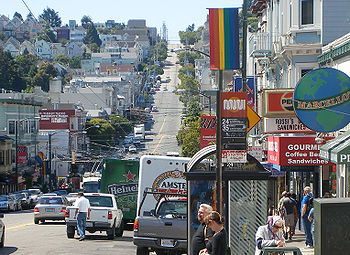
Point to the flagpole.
(219, 197)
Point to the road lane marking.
(160, 140)
(160, 130)
(20, 226)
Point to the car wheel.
(119, 231)
(111, 233)
(2, 242)
(70, 232)
(142, 251)
(36, 221)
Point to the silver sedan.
(50, 208)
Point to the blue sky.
(177, 14)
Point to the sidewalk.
(299, 241)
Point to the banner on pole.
(224, 38)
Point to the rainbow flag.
(224, 38)
(40, 158)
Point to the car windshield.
(72, 195)
(4, 198)
(173, 207)
(50, 200)
(100, 201)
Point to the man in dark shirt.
(290, 216)
(203, 232)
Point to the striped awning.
(337, 150)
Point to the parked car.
(35, 194)
(18, 201)
(25, 199)
(132, 149)
(50, 208)
(2, 231)
(7, 203)
(154, 109)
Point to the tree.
(47, 36)
(187, 70)
(46, 71)
(121, 125)
(186, 57)
(92, 36)
(193, 109)
(189, 137)
(157, 70)
(159, 51)
(51, 17)
(75, 62)
(188, 37)
(100, 131)
(93, 47)
(61, 59)
(10, 77)
(85, 21)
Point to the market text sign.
(294, 151)
(55, 119)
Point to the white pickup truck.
(104, 216)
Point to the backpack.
(309, 205)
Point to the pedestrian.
(82, 212)
(203, 232)
(304, 212)
(290, 216)
(217, 244)
(280, 202)
(270, 235)
(312, 220)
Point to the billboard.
(55, 119)
(278, 102)
(21, 154)
(294, 151)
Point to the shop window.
(307, 12)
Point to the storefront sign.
(250, 89)
(322, 100)
(256, 152)
(55, 119)
(208, 131)
(294, 151)
(285, 125)
(278, 102)
(234, 156)
(21, 154)
(344, 158)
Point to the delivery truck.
(120, 178)
(161, 174)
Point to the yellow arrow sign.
(253, 118)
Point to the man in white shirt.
(83, 212)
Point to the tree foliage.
(75, 62)
(92, 36)
(187, 70)
(121, 125)
(100, 131)
(10, 77)
(47, 36)
(157, 70)
(51, 17)
(46, 71)
(189, 137)
(186, 57)
(61, 59)
(86, 21)
(159, 51)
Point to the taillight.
(67, 214)
(110, 215)
(63, 210)
(136, 225)
(36, 209)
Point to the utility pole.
(219, 197)
(16, 165)
(49, 163)
(244, 50)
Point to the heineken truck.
(120, 178)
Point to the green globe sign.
(322, 100)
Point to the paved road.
(24, 237)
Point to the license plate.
(167, 242)
(89, 224)
(50, 210)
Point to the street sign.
(253, 118)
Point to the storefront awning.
(337, 150)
